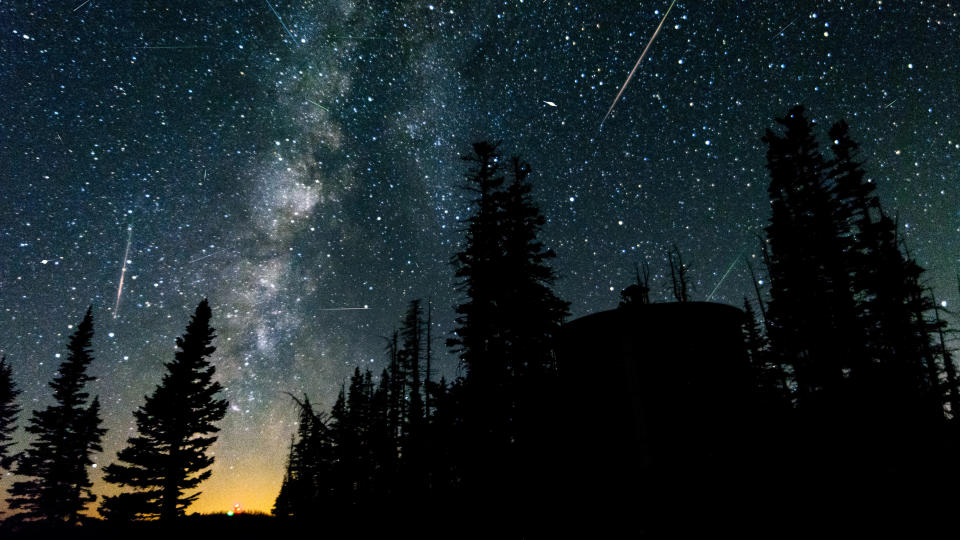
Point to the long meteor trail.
(634, 70)
(281, 22)
(123, 271)
(344, 308)
(725, 274)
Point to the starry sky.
(288, 159)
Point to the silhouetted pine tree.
(533, 312)
(428, 389)
(8, 412)
(412, 431)
(344, 446)
(383, 448)
(477, 339)
(811, 314)
(176, 427)
(504, 330)
(396, 401)
(950, 392)
(359, 398)
(283, 504)
(412, 356)
(310, 479)
(67, 433)
(767, 377)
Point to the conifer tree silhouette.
(176, 427)
(67, 433)
(811, 314)
(310, 480)
(504, 332)
(9, 409)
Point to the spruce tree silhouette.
(412, 466)
(176, 427)
(67, 433)
(309, 481)
(503, 335)
(900, 375)
(8, 412)
(811, 315)
(850, 318)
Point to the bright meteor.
(123, 271)
(634, 70)
(289, 33)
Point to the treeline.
(852, 383)
(380, 440)
(408, 441)
(850, 335)
(167, 457)
(846, 353)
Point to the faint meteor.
(351, 38)
(725, 274)
(281, 21)
(172, 47)
(891, 104)
(634, 70)
(123, 271)
(318, 105)
(784, 29)
(344, 308)
(206, 256)
(85, 2)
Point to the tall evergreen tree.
(309, 479)
(8, 412)
(504, 330)
(67, 433)
(811, 314)
(283, 504)
(478, 267)
(176, 426)
(412, 355)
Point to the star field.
(286, 159)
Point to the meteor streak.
(206, 256)
(344, 308)
(725, 274)
(123, 271)
(782, 30)
(634, 70)
(172, 47)
(81, 5)
(318, 105)
(281, 21)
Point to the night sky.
(288, 159)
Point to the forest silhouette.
(824, 401)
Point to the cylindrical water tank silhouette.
(657, 401)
